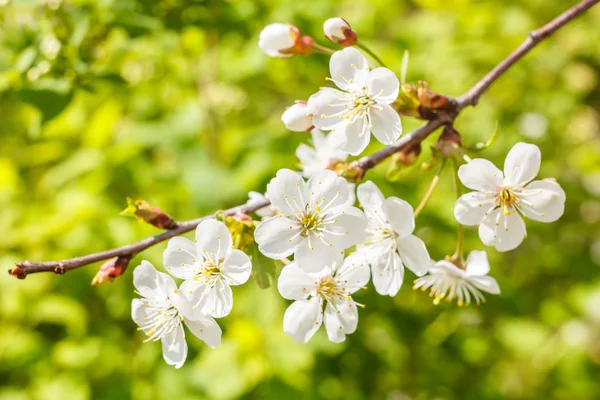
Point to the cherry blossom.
(331, 288)
(298, 117)
(361, 105)
(390, 244)
(446, 281)
(315, 222)
(283, 40)
(501, 200)
(210, 266)
(324, 153)
(163, 310)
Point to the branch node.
(60, 269)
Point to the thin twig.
(470, 98)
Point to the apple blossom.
(361, 105)
(339, 31)
(163, 311)
(209, 266)
(315, 223)
(390, 244)
(446, 280)
(501, 200)
(332, 286)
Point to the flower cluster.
(337, 247)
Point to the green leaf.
(477, 147)
(263, 268)
(404, 66)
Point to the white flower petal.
(294, 284)
(481, 175)
(174, 347)
(371, 199)
(522, 163)
(329, 106)
(347, 230)
(255, 198)
(400, 216)
(236, 267)
(341, 319)
(477, 263)
(213, 239)
(205, 329)
(354, 272)
(180, 257)
(302, 319)
(388, 274)
(139, 311)
(276, 37)
(216, 301)
(543, 201)
(287, 192)
(414, 254)
(297, 118)
(275, 238)
(327, 190)
(505, 232)
(357, 135)
(385, 123)
(472, 207)
(148, 281)
(383, 85)
(485, 283)
(314, 256)
(348, 68)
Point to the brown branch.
(470, 98)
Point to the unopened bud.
(350, 171)
(240, 226)
(152, 215)
(284, 40)
(401, 160)
(430, 99)
(111, 269)
(298, 118)
(339, 31)
(450, 143)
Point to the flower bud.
(297, 118)
(430, 99)
(283, 40)
(450, 143)
(111, 269)
(152, 215)
(338, 30)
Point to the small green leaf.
(404, 66)
(263, 268)
(477, 147)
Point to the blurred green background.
(172, 101)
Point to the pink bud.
(339, 31)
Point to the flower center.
(360, 105)
(507, 198)
(310, 221)
(329, 289)
(160, 320)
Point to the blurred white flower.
(209, 266)
(324, 153)
(257, 198)
(361, 106)
(283, 40)
(533, 125)
(50, 46)
(297, 118)
(446, 280)
(163, 311)
(390, 244)
(333, 286)
(501, 200)
(339, 31)
(315, 222)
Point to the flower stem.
(432, 186)
(322, 49)
(369, 52)
(458, 254)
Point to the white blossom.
(315, 222)
(361, 105)
(446, 280)
(339, 31)
(257, 198)
(390, 244)
(324, 153)
(280, 40)
(501, 200)
(297, 118)
(210, 266)
(334, 287)
(163, 311)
